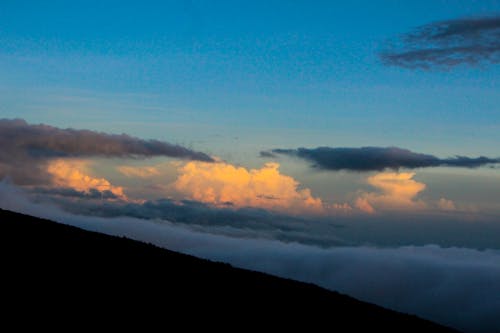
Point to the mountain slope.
(50, 271)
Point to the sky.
(317, 125)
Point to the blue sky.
(307, 71)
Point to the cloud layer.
(446, 44)
(378, 158)
(453, 286)
(235, 222)
(26, 149)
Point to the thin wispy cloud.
(140, 172)
(446, 44)
(267, 154)
(379, 158)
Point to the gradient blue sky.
(268, 72)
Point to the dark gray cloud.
(48, 141)
(453, 286)
(247, 222)
(26, 148)
(267, 154)
(67, 192)
(445, 44)
(379, 158)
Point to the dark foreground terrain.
(53, 274)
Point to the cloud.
(379, 158)
(364, 205)
(396, 191)
(73, 174)
(47, 141)
(446, 44)
(140, 172)
(222, 184)
(67, 192)
(453, 286)
(231, 221)
(446, 204)
(267, 154)
(26, 149)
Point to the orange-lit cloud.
(364, 205)
(73, 173)
(141, 172)
(396, 191)
(223, 184)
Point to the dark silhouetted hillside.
(53, 273)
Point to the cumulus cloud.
(222, 184)
(453, 286)
(379, 158)
(396, 191)
(445, 44)
(73, 174)
(27, 148)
